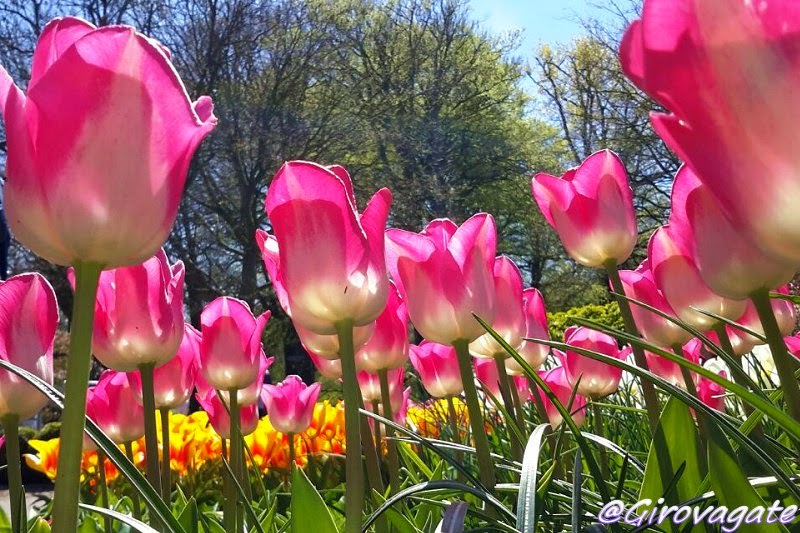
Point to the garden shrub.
(606, 314)
(51, 430)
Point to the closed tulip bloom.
(220, 419)
(99, 148)
(488, 375)
(523, 388)
(640, 285)
(399, 398)
(329, 368)
(535, 328)
(327, 346)
(112, 405)
(244, 396)
(445, 275)
(387, 348)
(726, 72)
(437, 366)
(138, 316)
(28, 321)
(230, 344)
(729, 263)
(174, 381)
(793, 345)
(509, 316)
(370, 384)
(313, 213)
(290, 404)
(712, 394)
(669, 371)
(784, 313)
(597, 379)
(591, 209)
(678, 278)
(556, 380)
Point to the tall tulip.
(640, 285)
(290, 404)
(597, 379)
(112, 405)
(370, 386)
(329, 368)
(313, 213)
(28, 321)
(248, 395)
(591, 209)
(445, 274)
(90, 176)
(98, 152)
(534, 353)
(437, 366)
(387, 348)
(678, 278)
(138, 318)
(556, 380)
(726, 72)
(729, 263)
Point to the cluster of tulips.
(98, 151)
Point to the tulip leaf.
(730, 485)
(526, 498)
(678, 430)
(309, 512)
(38, 525)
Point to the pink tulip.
(388, 346)
(727, 73)
(784, 313)
(113, 406)
(329, 368)
(535, 328)
(312, 210)
(597, 379)
(174, 381)
(488, 375)
(445, 274)
(729, 263)
(370, 384)
(220, 419)
(437, 366)
(399, 398)
(712, 394)
(138, 315)
(290, 404)
(28, 324)
(99, 148)
(523, 388)
(669, 371)
(509, 318)
(640, 285)
(231, 344)
(591, 209)
(248, 395)
(793, 345)
(677, 277)
(327, 346)
(556, 380)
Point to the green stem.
(137, 505)
(597, 419)
(371, 459)
(453, 417)
(236, 448)
(150, 433)
(13, 459)
(784, 363)
(485, 464)
(376, 408)
(354, 473)
(518, 407)
(166, 467)
(101, 465)
(291, 452)
(228, 492)
(391, 445)
(648, 390)
(68, 478)
(702, 421)
(508, 402)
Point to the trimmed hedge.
(606, 314)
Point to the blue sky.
(541, 21)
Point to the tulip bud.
(597, 379)
(712, 394)
(445, 275)
(290, 404)
(556, 380)
(437, 366)
(370, 384)
(509, 318)
(27, 331)
(91, 177)
(329, 368)
(535, 328)
(220, 419)
(387, 348)
(112, 405)
(591, 209)
(669, 371)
